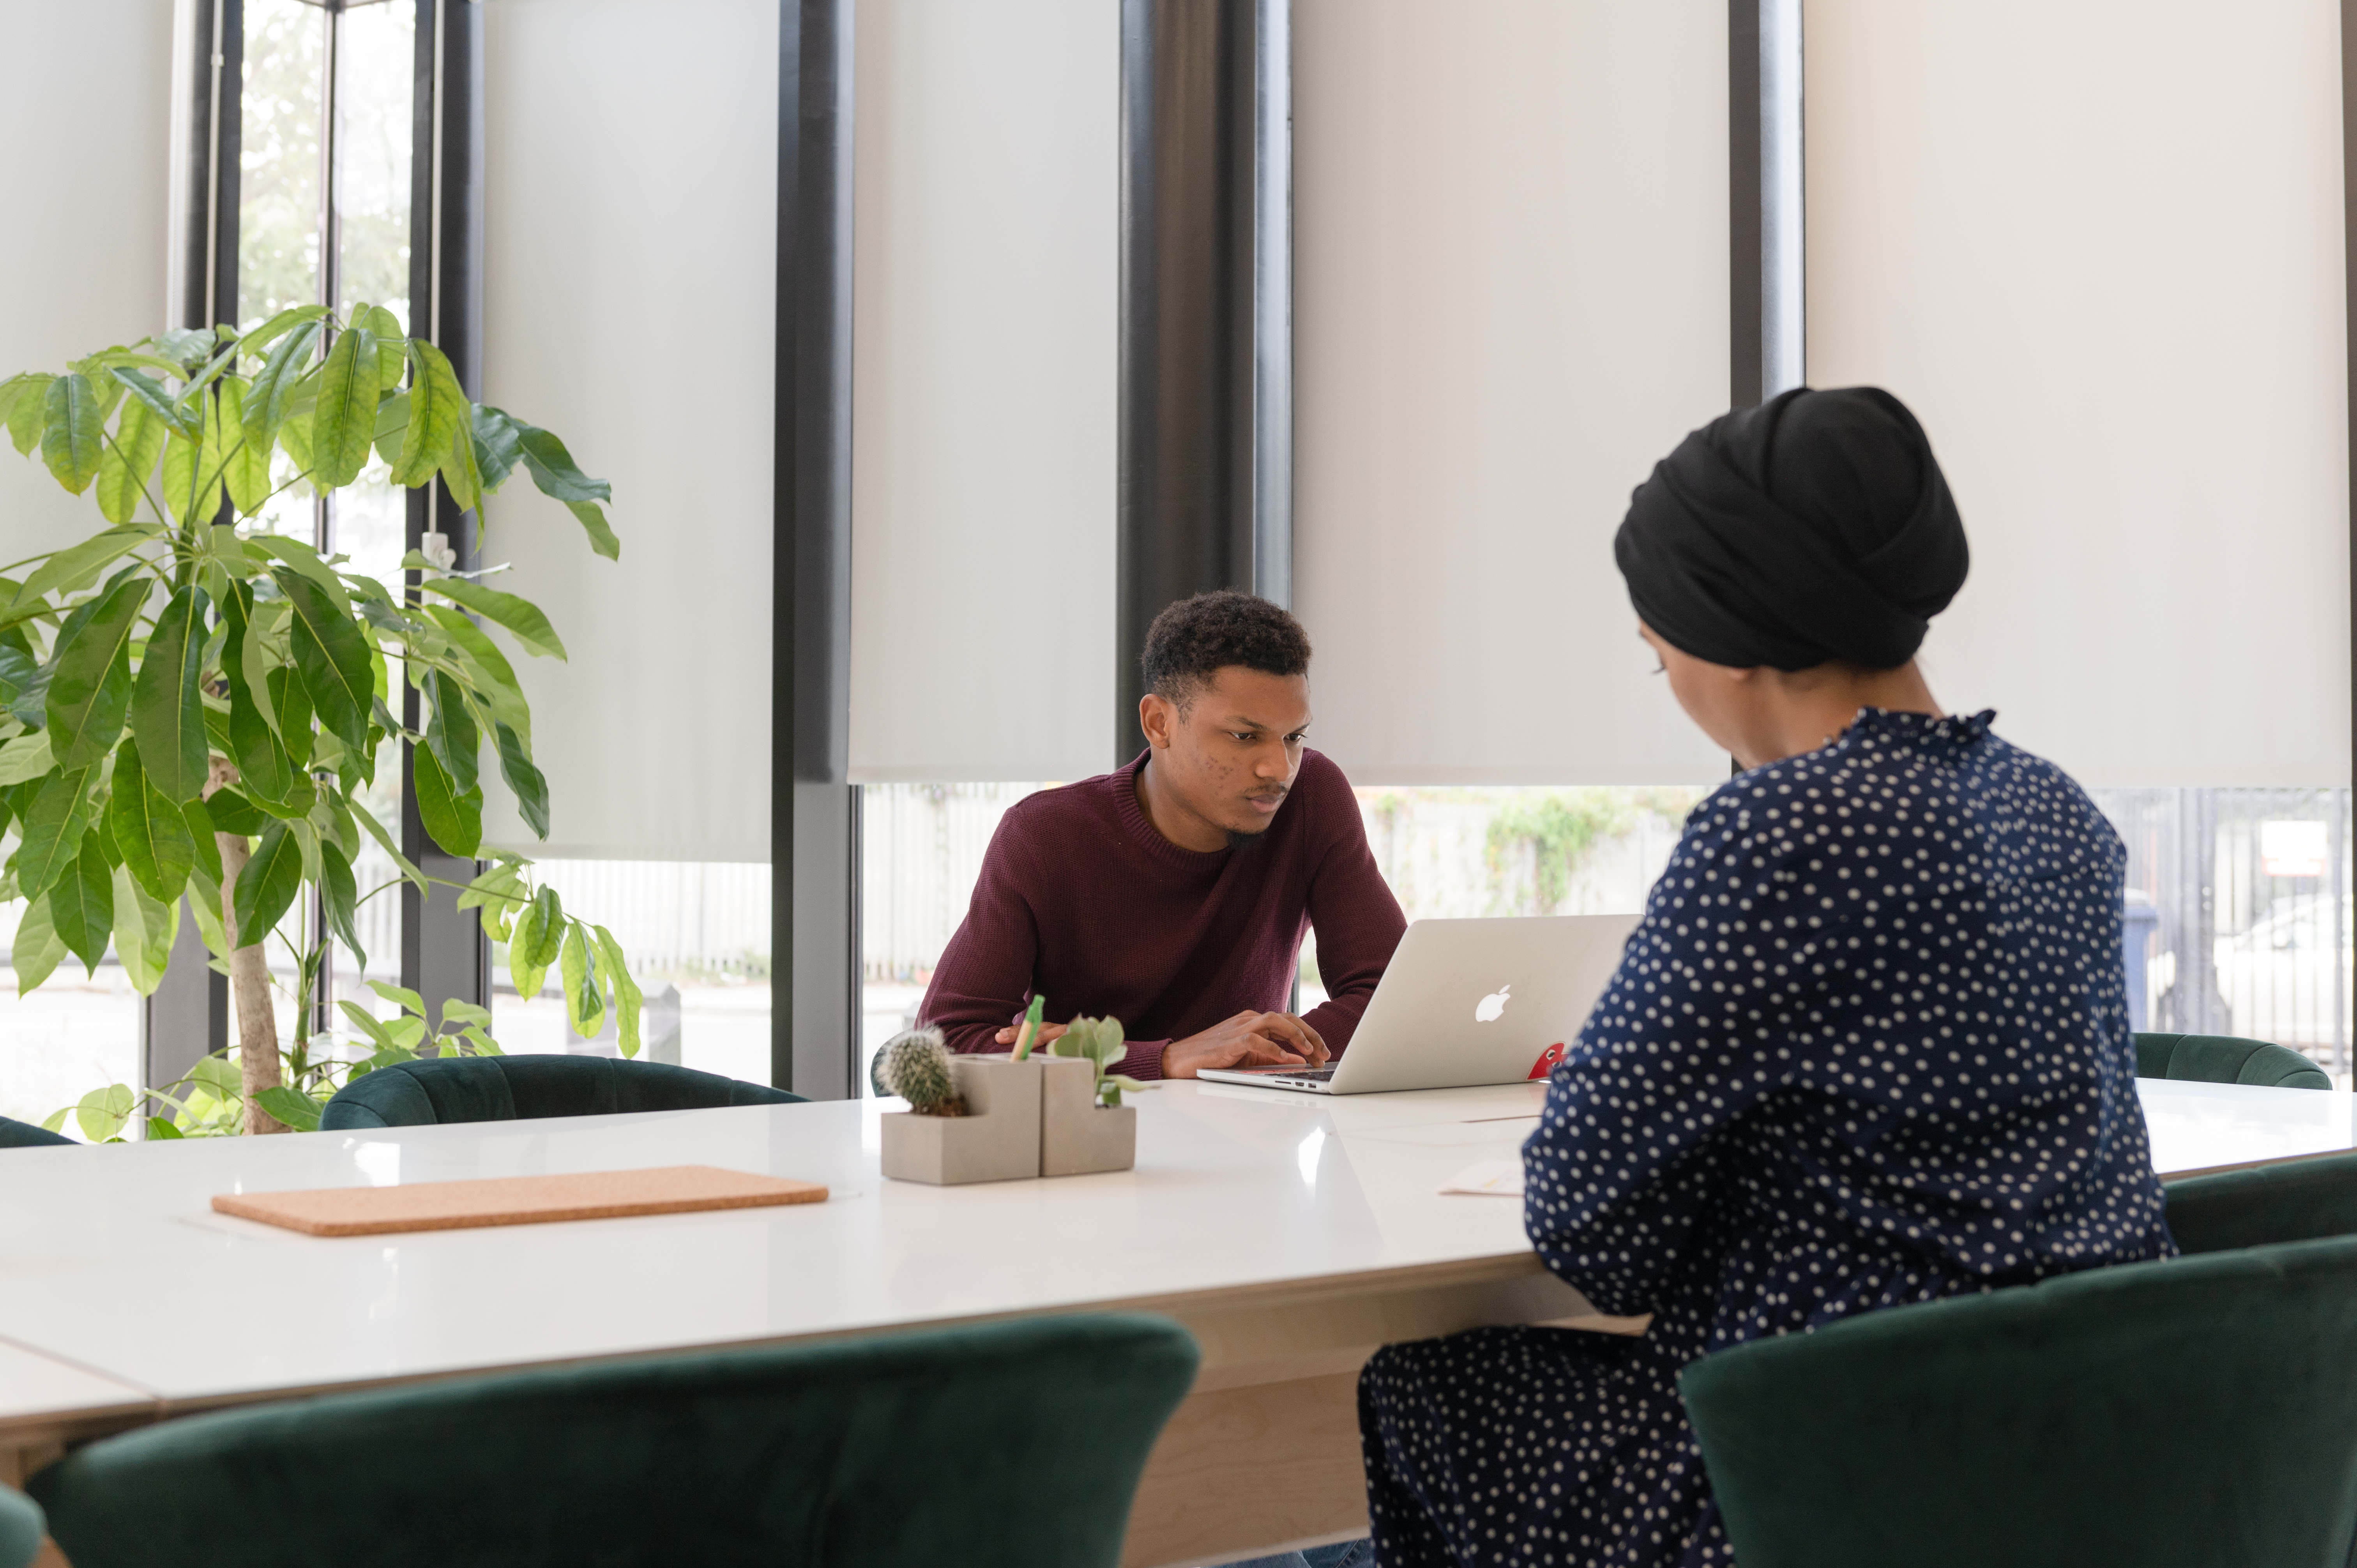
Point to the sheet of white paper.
(1499, 1178)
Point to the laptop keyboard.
(1309, 1074)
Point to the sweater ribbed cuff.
(1143, 1061)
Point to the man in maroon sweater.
(1173, 894)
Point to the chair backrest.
(2290, 1200)
(1014, 1445)
(2226, 1058)
(509, 1089)
(17, 1134)
(2176, 1415)
(21, 1528)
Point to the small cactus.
(915, 1065)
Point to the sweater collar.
(1133, 817)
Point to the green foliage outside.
(190, 705)
(1564, 827)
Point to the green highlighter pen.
(1030, 1030)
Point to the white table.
(1292, 1234)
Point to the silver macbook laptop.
(1467, 1001)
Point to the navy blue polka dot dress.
(1869, 1045)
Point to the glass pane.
(2238, 917)
(1458, 854)
(278, 217)
(696, 937)
(375, 74)
(76, 1033)
(920, 851)
(368, 521)
(1453, 852)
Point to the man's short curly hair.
(1192, 640)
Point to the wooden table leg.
(1243, 1472)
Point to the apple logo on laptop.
(1492, 1007)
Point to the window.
(696, 937)
(2238, 917)
(325, 134)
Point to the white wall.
(2098, 248)
(1510, 297)
(984, 376)
(85, 105)
(629, 306)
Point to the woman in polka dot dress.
(1868, 1046)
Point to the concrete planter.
(1077, 1135)
(996, 1140)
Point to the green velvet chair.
(2291, 1200)
(2189, 1414)
(2226, 1058)
(17, 1134)
(1015, 1445)
(521, 1088)
(21, 1528)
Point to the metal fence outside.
(2250, 927)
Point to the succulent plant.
(1101, 1042)
(915, 1065)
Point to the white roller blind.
(629, 306)
(2098, 248)
(1511, 298)
(985, 398)
(86, 95)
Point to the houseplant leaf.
(90, 693)
(290, 1106)
(198, 817)
(192, 480)
(267, 887)
(524, 941)
(81, 905)
(232, 812)
(450, 730)
(144, 929)
(519, 615)
(71, 420)
(585, 1008)
(332, 656)
(124, 472)
(26, 756)
(167, 713)
(344, 420)
(269, 400)
(246, 465)
(149, 831)
(148, 394)
(339, 896)
(438, 414)
(628, 998)
(453, 818)
(531, 788)
(52, 830)
(37, 949)
(554, 470)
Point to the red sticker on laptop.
(1549, 1059)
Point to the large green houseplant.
(192, 704)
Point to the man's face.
(1233, 753)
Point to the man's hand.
(1248, 1039)
(1039, 1042)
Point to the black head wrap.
(1814, 527)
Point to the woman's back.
(1869, 1045)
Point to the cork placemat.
(514, 1200)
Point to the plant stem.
(249, 981)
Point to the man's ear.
(1157, 717)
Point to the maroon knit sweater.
(1081, 899)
